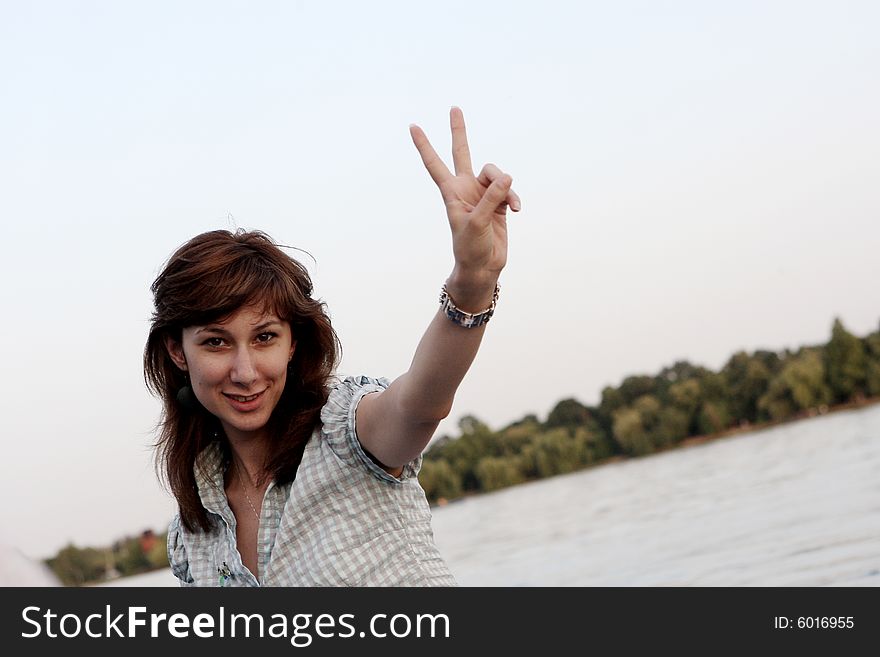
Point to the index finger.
(461, 154)
(432, 161)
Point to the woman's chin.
(244, 426)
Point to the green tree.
(714, 416)
(714, 386)
(845, 363)
(747, 378)
(131, 559)
(530, 419)
(516, 436)
(872, 368)
(686, 396)
(633, 426)
(498, 472)
(439, 480)
(671, 427)
(158, 554)
(682, 371)
(557, 452)
(612, 401)
(472, 426)
(634, 387)
(568, 413)
(75, 566)
(462, 453)
(647, 426)
(800, 385)
(630, 432)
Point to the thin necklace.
(246, 496)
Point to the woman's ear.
(175, 350)
(292, 350)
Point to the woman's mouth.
(242, 398)
(244, 402)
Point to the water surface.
(797, 504)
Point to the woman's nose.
(243, 370)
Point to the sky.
(696, 179)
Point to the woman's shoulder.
(353, 382)
(346, 391)
(339, 413)
(339, 426)
(345, 394)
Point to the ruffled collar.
(209, 470)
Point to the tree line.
(131, 555)
(645, 414)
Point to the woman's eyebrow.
(211, 329)
(265, 325)
(256, 329)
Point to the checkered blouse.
(343, 521)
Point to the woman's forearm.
(396, 425)
(445, 352)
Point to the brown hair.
(206, 280)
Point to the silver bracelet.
(465, 319)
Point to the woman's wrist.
(471, 291)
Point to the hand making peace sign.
(476, 206)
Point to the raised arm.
(395, 425)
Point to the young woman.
(284, 477)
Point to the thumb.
(495, 195)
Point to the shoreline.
(749, 428)
(692, 441)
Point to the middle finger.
(461, 154)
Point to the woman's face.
(237, 368)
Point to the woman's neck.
(249, 457)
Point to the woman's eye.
(214, 342)
(265, 337)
